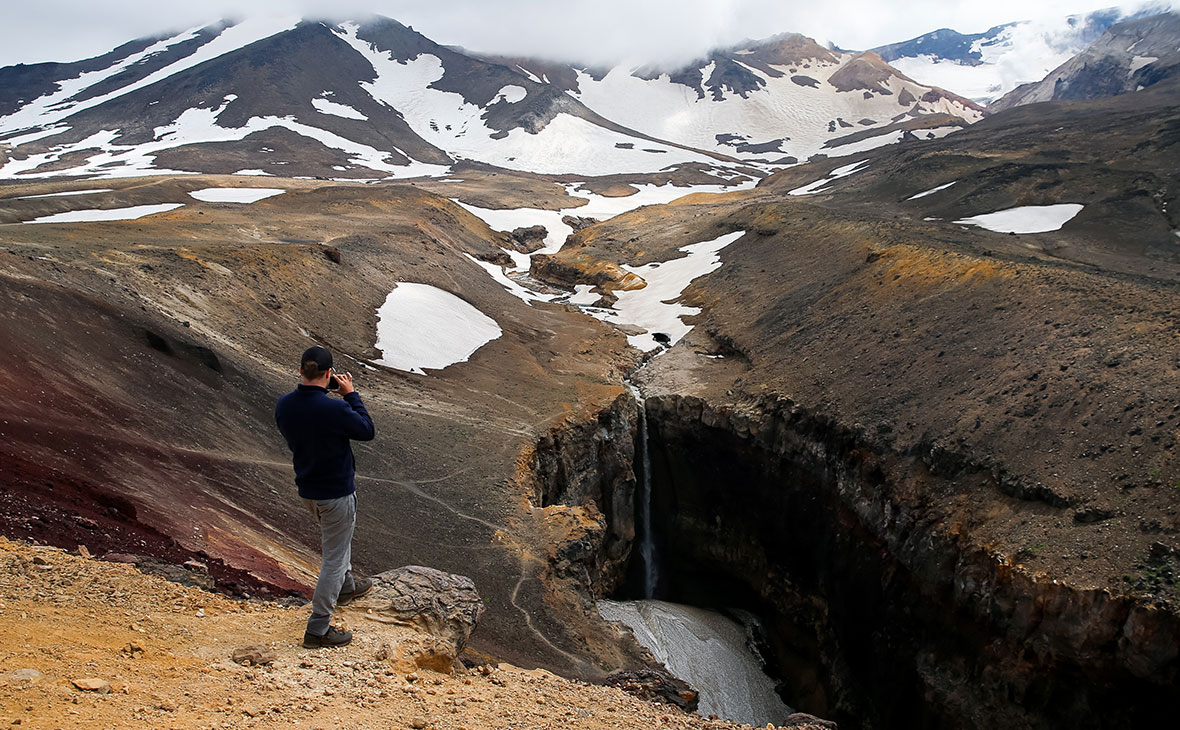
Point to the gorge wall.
(881, 614)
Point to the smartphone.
(333, 383)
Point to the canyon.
(915, 412)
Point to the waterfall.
(643, 534)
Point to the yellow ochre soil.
(165, 651)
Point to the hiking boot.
(360, 586)
(334, 637)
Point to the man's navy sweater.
(318, 429)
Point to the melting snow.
(707, 650)
(584, 295)
(327, 106)
(235, 195)
(1026, 219)
(653, 307)
(514, 288)
(819, 185)
(599, 207)
(112, 214)
(931, 191)
(421, 327)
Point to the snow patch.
(583, 295)
(68, 192)
(235, 195)
(1026, 218)
(931, 191)
(512, 93)
(819, 185)
(327, 106)
(111, 214)
(422, 327)
(1139, 62)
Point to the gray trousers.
(337, 518)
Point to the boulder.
(577, 222)
(441, 608)
(803, 721)
(253, 655)
(655, 686)
(93, 684)
(531, 238)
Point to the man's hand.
(345, 380)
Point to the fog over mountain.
(610, 32)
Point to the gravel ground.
(160, 653)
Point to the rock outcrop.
(656, 686)
(442, 609)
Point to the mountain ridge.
(378, 99)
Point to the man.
(318, 429)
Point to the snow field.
(111, 214)
(567, 144)
(235, 195)
(421, 327)
(195, 126)
(782, 108)
(1026, 219)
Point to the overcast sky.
(597, 31)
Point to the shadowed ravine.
(877, 614)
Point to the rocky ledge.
(83, 641)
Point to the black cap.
(319, 355)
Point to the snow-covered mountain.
(780, 100)
(985, 66)
(1128, 57)
(376, 99)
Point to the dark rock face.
(1129, 56)
(655, 686)
(593, 462)
(577, 222)
(942, 43)
(878, 615)
(530, 238)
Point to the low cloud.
(663, 32)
